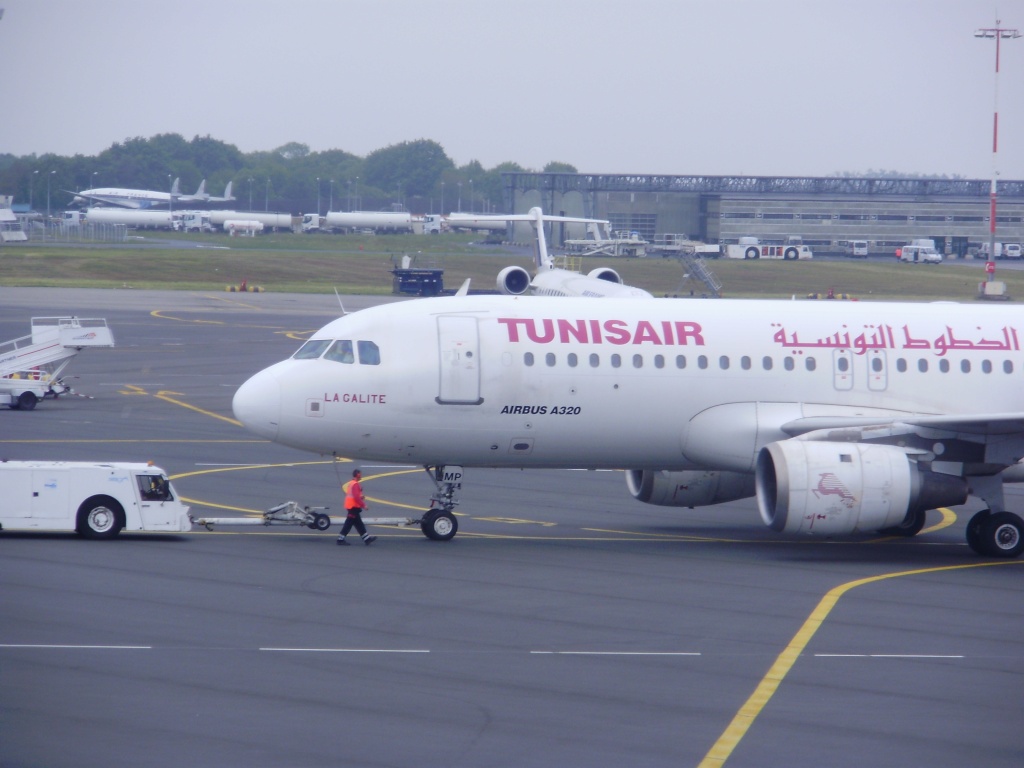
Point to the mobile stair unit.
(30, 366)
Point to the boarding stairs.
(51, 345)
(696, 268)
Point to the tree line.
(416, 176)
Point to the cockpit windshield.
(340, 351)
(311, 349)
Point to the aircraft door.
(842, 369)
(458, 340)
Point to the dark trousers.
(353, 519)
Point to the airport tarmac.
(566, 624)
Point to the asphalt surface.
(566, 624)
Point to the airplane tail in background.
(227, 192)
(175, 189)
(201, 192)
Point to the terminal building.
(827, 212)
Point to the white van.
(858, 249)
(1011, 251)
(920, 254)
(97, 500)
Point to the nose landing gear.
(439, 522)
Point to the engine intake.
(838, 488)
(513, 281)
(605, 273)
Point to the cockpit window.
(340, 352)
(369, 353)
(311, 349)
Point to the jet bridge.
(30, 366)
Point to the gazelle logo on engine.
(830, 485)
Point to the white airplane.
(145, 198)
(548, 280)
(136, 198)
(840, 418)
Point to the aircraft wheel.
(1002, 534)
(974, 531)
(911, 525)
(321, 522)
(100, 518)
(439, 525)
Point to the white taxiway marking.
(614, 653)
(86, 647)
(886, 656)
(345, 650)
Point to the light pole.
(250, 193)
(92, 179)
(442, 198)
(266, 200)
(48, 177)
(471, 201)
(330, 200)
(170, 195)
(460, 197)
(31, 180)
(357, 192)
(999, 33)
(317, 195)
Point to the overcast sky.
(763, 87)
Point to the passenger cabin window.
(595, 360)
(312, 349)
(340, 352)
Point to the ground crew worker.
(354, 505)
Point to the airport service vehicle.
(243, 227)
(133, 218)
(379, 221)
(196, 221)
(96, 499)
(311, 222)
(858, 249)
(472, 221)
(919, 254)
(840, 418)
(30, 366)
(432, 224)
(272, 221)
(750, 248)
(1012, 251)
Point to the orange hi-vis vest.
(353, 495)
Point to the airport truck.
(133, 218)
(196, 221)
(751, 248)
(95, 499)
(274, 222)
(378, 221)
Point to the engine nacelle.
(513, 281)
(605, 273)
(688, 489)
(838, 488)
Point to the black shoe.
(369, 539)
(342, 543)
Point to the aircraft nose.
(257, 404)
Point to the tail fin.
(227, 192)
(540, 246)
(175, 189)
(201, 192)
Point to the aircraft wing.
(119, 203)
(986, 424)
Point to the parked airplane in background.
(840, 418)
(146, 198)
(549, 280)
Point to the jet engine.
(839, 488)
(688, 489)
(605, 273)
(513, 281)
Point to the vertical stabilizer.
(227, 192)
(201, 192)
(175, 189)
(540, 246)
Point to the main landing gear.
(439, 522)
(996, 534)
